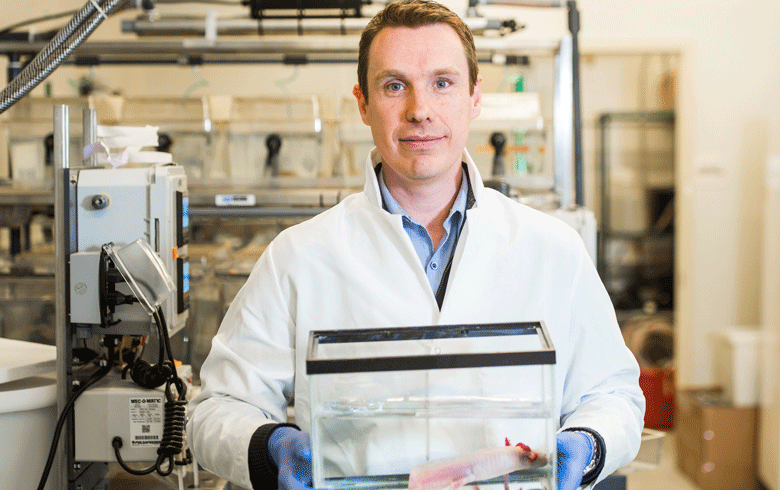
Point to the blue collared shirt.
(433, 261)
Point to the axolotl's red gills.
(453, 473)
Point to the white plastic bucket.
(28, 413)
(736, 363)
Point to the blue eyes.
(397, 86)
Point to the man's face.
(419, 106)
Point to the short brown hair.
(415, 13)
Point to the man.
(424, 244)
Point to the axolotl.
(453, 473)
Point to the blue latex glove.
(290, 450)
(575, 451)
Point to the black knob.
(164, 142)
(498, 140)
(273, 142)
(48, 144)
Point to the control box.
(121, 205)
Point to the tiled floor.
(666, 476)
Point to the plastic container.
(354, 139)
(144, 272)
(735, 363)
(649, 455)
(386, 400)
(28, 412)
(265, 139)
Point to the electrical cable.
(175, 406)
(151, 376)
(96, 376)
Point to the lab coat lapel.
(404, 245)
(395, 222)
(460, 296)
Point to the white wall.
(728, 121)
(769, 439)
(728, 118)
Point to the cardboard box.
(716, 442)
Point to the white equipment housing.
(119, 407)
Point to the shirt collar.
(371, 185)
(463, 201)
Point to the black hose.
(86, 20)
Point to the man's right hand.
(290, 450)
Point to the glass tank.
(467, 405)
(355, 139)
(220, 140)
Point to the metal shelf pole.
(562, 122)
(62, 464)
(574, 28)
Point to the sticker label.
(146, 421)
(235, 200)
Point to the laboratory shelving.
(636, 225)
(271, 47)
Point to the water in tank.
(384, 402)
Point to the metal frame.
(544, 355)
(343, 49)
(327, 48)
(277, 25)
(562, 127)
(68, 473)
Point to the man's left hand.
(575, 451)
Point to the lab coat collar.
(371, 187)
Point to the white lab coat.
(354, 266)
